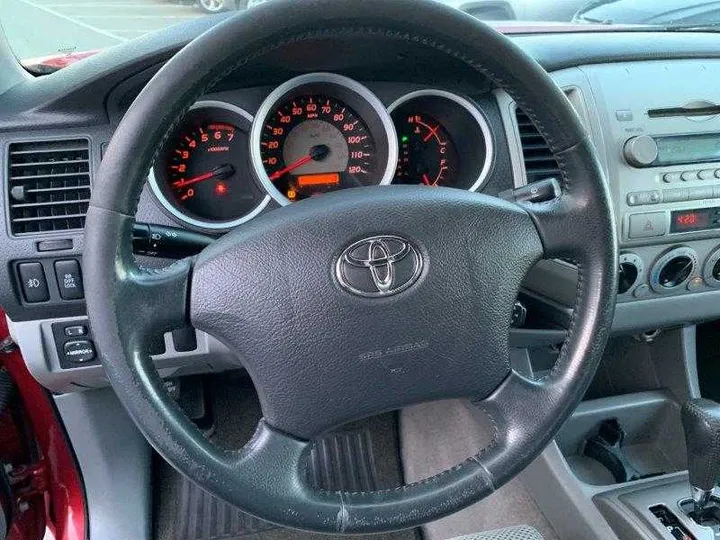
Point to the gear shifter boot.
(701, 422)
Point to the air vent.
(48, 185)
(539, 160)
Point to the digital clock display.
(692, 220)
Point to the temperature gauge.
(427, 155)
(443, 140)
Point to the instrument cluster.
(315, 134)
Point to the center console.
(661, 154)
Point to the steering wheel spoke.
(160, 297)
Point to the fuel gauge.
(427, 155)
(443, 140)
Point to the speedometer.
(319, 133)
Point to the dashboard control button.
(79, 351)
(676, 195)
(647, 225)
(640, 151)
(76, 330)
(34, 283)
(687, 176)
(184, 339)
(640, 198)
(641, 291)
(707, 174)
(671, 177)
(624, 115)
(695, 284)
(69, 279)
(701, 193)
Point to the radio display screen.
(688, 149)
(696, 219)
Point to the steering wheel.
(318, 355)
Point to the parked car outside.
(216, 6)
(670, 12)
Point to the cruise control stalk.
(167, 242)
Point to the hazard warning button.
(647, 225)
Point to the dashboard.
(362, 113)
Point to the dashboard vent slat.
(48, 185)
(539, 160)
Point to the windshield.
(47, 35)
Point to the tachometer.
(319, 133)
(203, 176)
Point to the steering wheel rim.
(266, 478)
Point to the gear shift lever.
(701, 422)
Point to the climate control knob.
(711, 270)
(673, 270)
(630, 268)
(676, 272)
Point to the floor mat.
(437, 436)
(360, 456)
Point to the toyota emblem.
(379, 266)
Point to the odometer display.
(313, 144)
(319, 133)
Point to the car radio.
(670, 184)
(647, 151)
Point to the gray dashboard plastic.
(114, 460)
(35, 339)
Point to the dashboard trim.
(473, 110)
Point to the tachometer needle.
(221, 172)
(317, 153)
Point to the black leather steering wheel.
(268, 289)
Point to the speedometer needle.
(317, 153)
(221, 172)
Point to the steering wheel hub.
(300, 335)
